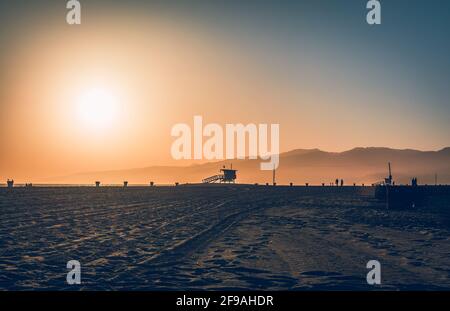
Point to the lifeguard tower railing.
(213, 179)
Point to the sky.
(317, 68)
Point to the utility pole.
(273, 176)
(390, 175)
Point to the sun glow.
(98, 108)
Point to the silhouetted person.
(337, 182)
(342, 182)
(10, 183)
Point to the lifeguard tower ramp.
(227, 176)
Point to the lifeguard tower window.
(229, 175)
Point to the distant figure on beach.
(342, 182)
(414, 182)
(337, 182)
(10, 183)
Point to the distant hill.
(313, 166)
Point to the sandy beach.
(219, 238)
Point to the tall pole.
(388, 185)
(390, 175)
(273, 176)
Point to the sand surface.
(238, 237)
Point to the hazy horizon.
(314, 166)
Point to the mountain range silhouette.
(300, 166)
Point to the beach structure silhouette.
(403, 196)
(227, 176)
(388, 180)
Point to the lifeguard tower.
(228, 176)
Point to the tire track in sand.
(186, 250)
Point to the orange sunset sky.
(105, 95)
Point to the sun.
(98, 108)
